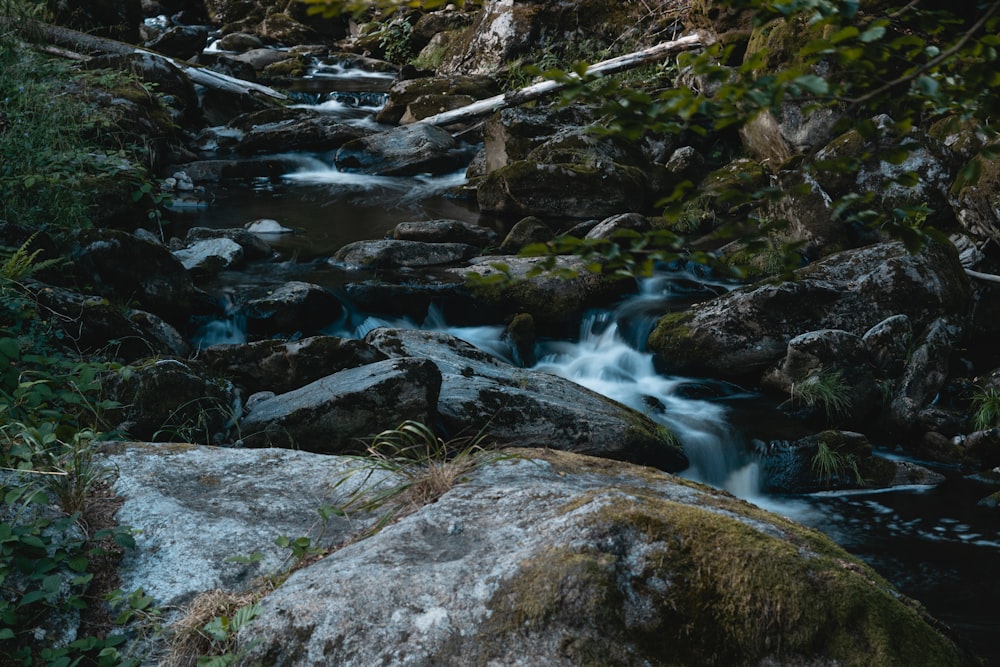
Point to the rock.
(252, 246)
(333, 414)
(266, 226)
(925, 374)
(975, 204)
(168, 399)
(284, 30)
(556, 302)
(838, 362)
(572, 174)
(239, 42)
(393, 254)
(280, 366)
(182, 42)
(888, 344)
(260, 58)
(526, 232)
(312, 132)
(91, 324)
(514, 406)
(512, 134)
(740, 333)
(407, 94)
(404, 151)
(610, 227)
(562, 560)
(193, 508)
(444, 231)
(104, 18)
(210, 256)
(834, 460)
(214, 171)
(125, 268)
(291, 307)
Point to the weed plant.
(824, 391)
(830, 465)
(986, 406)
(409, 466)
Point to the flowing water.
(935, 544)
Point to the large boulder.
(409, 95)
(515, 406)
(304, 131)
(444, 231)
(742, 332)
(395, 254)
(560, 560)
(280, 366)
(194, 508)
(288, 308)
(404, 151)
(125, 268)
(507, 284)
(333, 414)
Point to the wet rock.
(444, 231)
(291, 307)
(281, 366)
(835, 460)
(404, 151)
(521, 407)
(393, 254)
(520, 334)
(182, 42)
(253, 246)
(562, 560)
(260, 58)
(240, 42)
(167, 399)
(215, 171)
(925, 374)
(210, 256)
(526, 232)
(742, 332)
(304, 131)
(334, 414)
(125, 268)
(556, 302)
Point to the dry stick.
(613, 66)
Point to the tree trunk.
(606, 67)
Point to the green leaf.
(927, 86)
(873, 33)
(813, 84)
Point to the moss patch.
(660, 583)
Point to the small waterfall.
(603, 361)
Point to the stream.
(933, 543)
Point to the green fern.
(22, 263)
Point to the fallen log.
(535, 91)
(82, 42)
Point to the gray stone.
(516, 406)
(444, 231)
(393, 254)
(404, 151)
(210, 256)
(333, 414)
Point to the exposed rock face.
(742, 332)
(561, 560)
(291, 307)
(333, 414)
(209, 256)
(514, 406)
(301, 132)
(195, 507)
